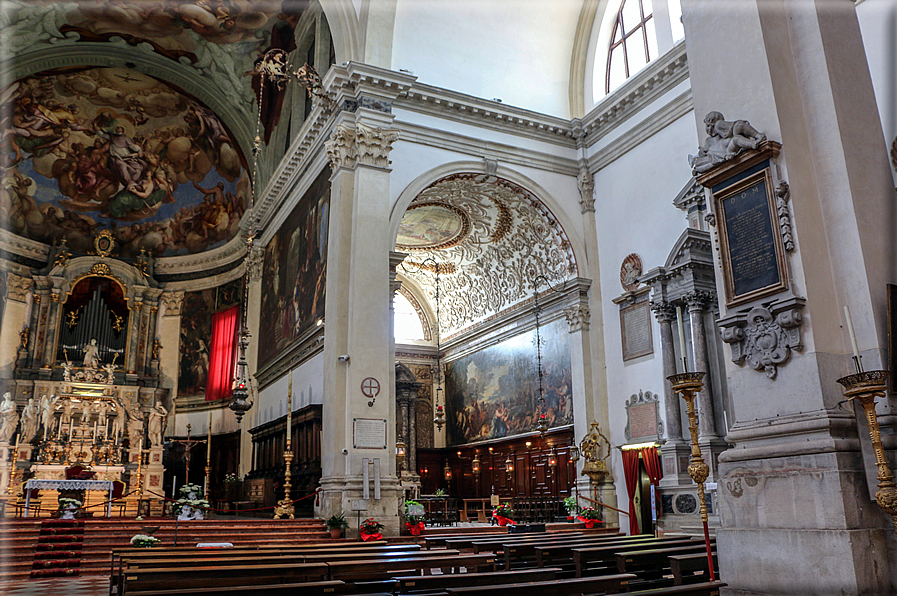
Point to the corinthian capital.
(173, 302)
(374, 144)
(341, 148)
(577, 318)
(18, 287)
(663, 311)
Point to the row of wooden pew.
(380, 569)
(658, 561)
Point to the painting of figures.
(294, 272)
(86, 149)
(196, 333)
(494, 393)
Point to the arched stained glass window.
(633, 42)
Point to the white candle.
(18, 436)
(681, 335)
(71, 425)
(853, 338)
(290, 409)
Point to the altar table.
(35, 483)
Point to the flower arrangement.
(68, 503)
(144, 541)
(440, 492)
(570, 505)
(503, 510)
(191, 496)
(370, 529)
(231, 479)
(590, 513)
(414, 517)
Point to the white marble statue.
(118, 420)
(110, 373)
(726, 140)
(91, 354)
(67, 372)
(30, 421)
(9, 418)
(135, 424)
(157, 424)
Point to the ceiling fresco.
(490, 237)
(86, 149)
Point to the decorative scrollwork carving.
(783, 195)
(765, 336)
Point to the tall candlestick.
(290, 412)
(18, 436)
(681, 338)
(853, 338)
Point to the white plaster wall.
(308, 388)
(519, 52)
(635, 214)
(223, 421)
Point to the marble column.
(665, 314)
(53, 316)
(357, 299)
(794, 489)
(412, 431)
(698, 303)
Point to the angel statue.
(726, 140)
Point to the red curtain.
(221, 359)
(630, 471)
(655, 472)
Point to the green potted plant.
(570, 506)
(145, 541)
(336, 523)
(414, 517)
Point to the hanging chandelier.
(271, 68)
(542, 425)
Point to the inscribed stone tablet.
(635, 329)
(369, 433)
(751, 247)
(643, 421)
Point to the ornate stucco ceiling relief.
(490, 237)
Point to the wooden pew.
(654, 561)
(556, 554)
(527, 551)
(704, 589)
(188, 578)
(382, 569)
(684, 566)
(325, 588)
(605, 556)
(439, 539)
(156, 557)
(608, 584)
(497, 546)
(436, 583)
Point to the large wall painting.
(294, 272)
(494, 393)
(196, 333)
(85, 149)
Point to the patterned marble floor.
(78, 586)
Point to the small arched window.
(633, 42)
(407, 325)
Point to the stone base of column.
(339, 492)
(711, 447)
(607, 494)
(802, 524)
(674, 457)
(45, 373)
(22, 359)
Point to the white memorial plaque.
(369, 433)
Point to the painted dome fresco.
(87, 149)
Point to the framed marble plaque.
(751, 248)
(635, 329)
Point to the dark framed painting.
(294, 272)
(751, 248)
(494, 393)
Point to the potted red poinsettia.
(502, 514)
(370, 530)
(589, 517)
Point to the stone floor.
(63, 586)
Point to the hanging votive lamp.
(447, 471)
(475, 464)
(439, 420)
(552, 458)
(574, 454)
(542, 427)
(509, 464)
(400, 452)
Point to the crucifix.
(188, 444)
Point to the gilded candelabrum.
(285, 506)
(865, 387)
(689, 384)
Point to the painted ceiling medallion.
(432, 226)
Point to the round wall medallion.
(686, 503)
(432, 226)
(630, 271)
